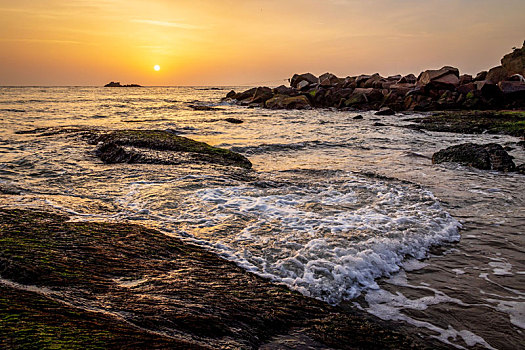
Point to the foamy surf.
(327, 240)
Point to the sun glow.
(156, 67)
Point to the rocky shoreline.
(103, 286)
(502, 87)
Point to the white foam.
(328, 241)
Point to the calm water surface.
(339, 209)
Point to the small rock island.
(117, 84)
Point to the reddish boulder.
(446, 77)
(329, 79)
(497, 74)
(481, 76)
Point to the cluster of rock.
(441, 89)
(118, 84)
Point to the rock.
(466, 88)
(516, 77)
(481, 76)
(378, 124)
(284, 90)
(234, 120)
(361, 79)
(245, 95)
(514, 63)
(362, 95)
(512, 87)
(203, 108)
(167, 293)
(408, 79)
(385, 111)
(489, 90)
(375, 81)
(287, 102)
(117, 84)
(329, 79)
(486, 157)
(230, 94)
(308, 77)
(358, 117)
(497, 74)
(446, 77)
(261, 95)
(521, 168)
(161, 147)
(465, 79)
(303, 85)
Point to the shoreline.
(88, 277)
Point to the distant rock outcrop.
(117, 84)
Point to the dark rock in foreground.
(117, 84)
(486, 157)
(153, 291)
(161, 147)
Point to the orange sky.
(244, 42)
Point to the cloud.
(167, 24)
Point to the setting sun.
(156, 67)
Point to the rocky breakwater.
(438, 89)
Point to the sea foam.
(326, 240)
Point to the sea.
(347, 210)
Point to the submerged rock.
(234, 120)
(161, 147)
(385, 111)
(486, 157)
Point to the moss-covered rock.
(152, 291)
(474, 122)
(486, 157)
(161, 147)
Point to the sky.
(248, 42)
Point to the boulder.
(287, 102)
(362, 95)
(375, 81)
(446, 77)
(512, 87)
(245, 94)
(261, 95)
(514, 63)
(516, 77)
(303, 85)
(308, 77)
(481, 76)
(230, 94)
(284, 90)
(486, 157)
(465, 89)
(465, 79)
(385, 111)
(497, 74)
(408, 79)
(329, 79)
(360, 80)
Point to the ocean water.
(346, 211)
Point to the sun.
(156, 67)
